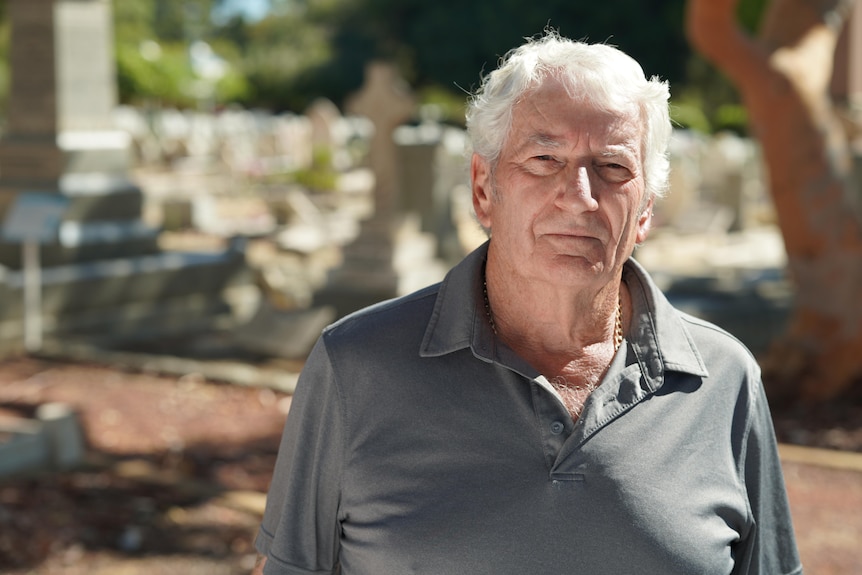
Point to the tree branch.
(712, 29)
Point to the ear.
(644, 222)
(480, 179)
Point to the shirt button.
(557, 427)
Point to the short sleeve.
(770, 546)
(300, 529)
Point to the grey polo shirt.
(416, 444)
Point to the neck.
(554, 328)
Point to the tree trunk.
(783, 77)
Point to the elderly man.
(543, 409)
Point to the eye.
(543, 164)
(613, 166)
(613, 172)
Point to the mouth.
(574, 244)
(570, 236)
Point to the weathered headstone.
(54, 440)
(104, 273)
(429, 171)
(385, 100)
(323, 115)
(60, 136)
(372, 270)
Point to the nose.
(576, 193)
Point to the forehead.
(549, 114)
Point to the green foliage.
(449, 106)
(706, 101)
(185, 20)
(688, 113)
(731, 117)
(449, 43)
(153, 65)
(306, 49)
(161, 80)
(316, 179)
(750, 13)
(320, 176)
(281, 53)
(133, 21)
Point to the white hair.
(600, 74)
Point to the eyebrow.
(618, 151)
(541, 139)
(547, 140)
(544, 139)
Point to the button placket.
(550, 416)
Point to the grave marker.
(99, 264)
(60, 136)
(385, 101)
(386, 257)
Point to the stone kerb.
(52, 441)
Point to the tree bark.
(783, 77)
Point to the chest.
(505, 482)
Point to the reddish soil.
(177, 468)
(169, 461)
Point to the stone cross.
(385, 101)
(367, 273)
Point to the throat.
(574, 395)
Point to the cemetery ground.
(177, 468)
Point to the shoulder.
(723, 354)
(709, 335)
(397, 320)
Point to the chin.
(575, 267)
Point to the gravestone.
(376, 264)
(60, 136)
(385, 100)
(431, 165)
(104, 273)
(323, 115)
(53, 440)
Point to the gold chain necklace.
(618, 328)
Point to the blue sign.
(35, 216)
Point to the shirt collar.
(660, 338)
(459, 319)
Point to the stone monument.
(103, 269)
(60, 137)
(370, 272)
(430, 171)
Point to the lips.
(574, 245)
(570, 237)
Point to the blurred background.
(190, 190)
(280, 55)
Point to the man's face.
(565, 202)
